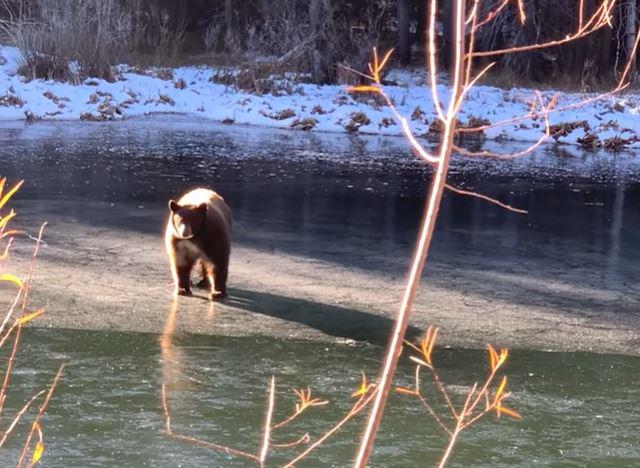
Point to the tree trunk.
(228, 21)
(315, 16)
(404, 36)
(447, 33)
(432, 206)
(421, 25)
(631, 19)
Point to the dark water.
(579, 409)
(356, 202)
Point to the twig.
(357, 408)
(25, 292)
(457, 430)
(597, 21)
(32, 268)
(485, 198)
(529, 116)
(302, 440)
(433, 414)
(19, 414)
(14, 303)
(41, 411)
(213, 446)
(296, 51)
(10, 364)
(443, 392)
(194, 441)
(305, 401)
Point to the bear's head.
(186, 220)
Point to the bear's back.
(198, 196)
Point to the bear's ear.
(173, 206)
(202, 207)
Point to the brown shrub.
(8, 100)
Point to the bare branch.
(302, 440)
(304, 401)
(485, 198)
(357, 408)
(433, 71)
(41, 412)
(194, 441)
(19, 415)
(598, 20)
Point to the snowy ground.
(612, 123)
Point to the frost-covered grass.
(613, 122)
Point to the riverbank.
(610, 123)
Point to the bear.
(198, 232)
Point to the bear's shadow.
(329, 319)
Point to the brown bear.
(198, 232)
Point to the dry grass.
(259, 78)
(70, 40)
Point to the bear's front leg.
(183, 288)
(219, 289)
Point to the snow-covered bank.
(613, 122)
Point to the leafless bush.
(73, 39)
(212, 34)
(166, 38)
(68, 39)
(284, 25)
(259, 78)
(311, 37)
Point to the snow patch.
(190, 91)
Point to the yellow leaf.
(29, 317)
(385, 59)
(504, 353)
(12, 232)
(371, 70)
(37, 453)
(432, 343)
(509, 412)
(363, 388)
(5, 254)
(9, 194)
(420, 362)
(406, 391)
(493, 357)
(9, 278)
(5, 219)
(501, 388)
(363, 89)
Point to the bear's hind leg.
(207, 276)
